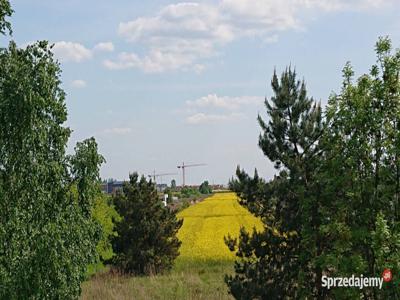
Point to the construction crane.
(154, 175)
(183, 167)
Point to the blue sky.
(161, 82)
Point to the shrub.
(104, 213)
(187, 192)
(205, 188)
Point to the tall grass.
(188, 280)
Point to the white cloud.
(343, 5)
(176, 38)
(202, 118)
(231, 103)
(155, 62)
(69, 51)
(124, 61)
(181, 36)
(105, 46)
(260, 17)
(216, 109)
(184, 20)
(78, 83)
(118, 130)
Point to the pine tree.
(146, 241)
(173, 184)
(205, 188)
(281, 268)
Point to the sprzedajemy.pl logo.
(357, 281)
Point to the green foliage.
(188, 192)
(173, 184)
(170, 198)
(364, 141)
(257, 254)
(205, 188)
(146, 241)
(386, 247)
(334, 206)
(104, 213)
(182, 204)
(276, 263)
(47, 234)
(5, 11)
(294, 125)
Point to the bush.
(205, 188)
(146, 242)
(104, 213)
(187, 192)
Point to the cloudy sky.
(161, 82)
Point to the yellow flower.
(206, 223)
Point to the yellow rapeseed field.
(205, 224)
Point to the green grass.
(188, 280)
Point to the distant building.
(214, 187)
(218, 187)
(161, 187)
(112, 186)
